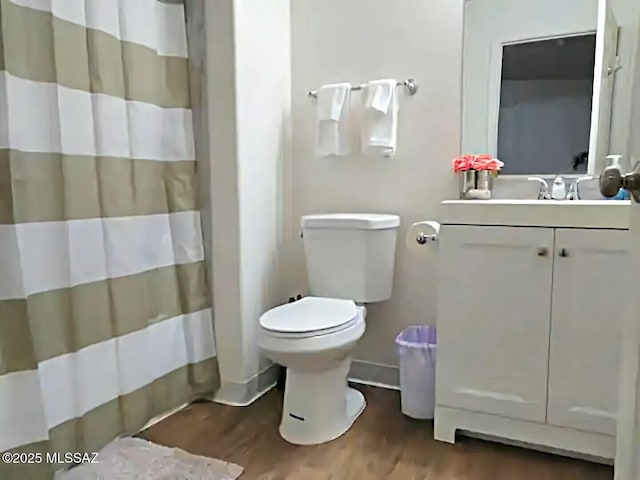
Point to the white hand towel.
(333, 116)
(379, 135)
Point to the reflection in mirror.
(545, 105)
(529, 69)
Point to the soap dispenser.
(614, 160)
(559, 189)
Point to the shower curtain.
(105, 317)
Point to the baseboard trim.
(375, 374)
(243, 394)
(162, 416)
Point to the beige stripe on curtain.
(44, 48)
(57, 187)
(105, 311)
(70, 319)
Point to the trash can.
(417, 351)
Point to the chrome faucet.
(544, 193)
(574, 191)
(573, 194)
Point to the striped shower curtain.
(105, 317)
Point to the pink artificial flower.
(487, 162)
(479, 162)
(463, 164)
(495, 165)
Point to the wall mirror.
(538, 82)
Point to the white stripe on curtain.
(45, 117)
(122, 365)
(157, 25)
(55, 255)
(22, 418)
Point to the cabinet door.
(494, 308)
(586, 324)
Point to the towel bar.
(410, 84)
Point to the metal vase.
(475, 185)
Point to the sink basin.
(537, 202)
(597, 201)
(538, 213)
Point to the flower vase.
(475, 184)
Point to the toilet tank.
(350, 255)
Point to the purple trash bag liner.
(418, 336)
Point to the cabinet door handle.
(564, 253)
(543, 251)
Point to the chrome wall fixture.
(410, 84)
(423, 238)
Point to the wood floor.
(383, 444)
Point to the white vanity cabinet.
(529, 334)
(586, 327)
(494, 306)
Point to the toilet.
(350, 262)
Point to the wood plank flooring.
(383, 444)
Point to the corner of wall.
(249, 96)
(242, 394)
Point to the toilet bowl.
(314, 338)
(350, 258)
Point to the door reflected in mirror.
(546, 92)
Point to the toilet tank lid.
(357, 221)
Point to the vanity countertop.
(609, 214)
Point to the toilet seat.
(309, 317)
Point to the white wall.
(356, 41)
(634, 137)
(259, 188)
(543, 124)
(488, 23)
(249, 92)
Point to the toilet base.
(319, 407)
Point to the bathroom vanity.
(530, 310)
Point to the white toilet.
(350, 258)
